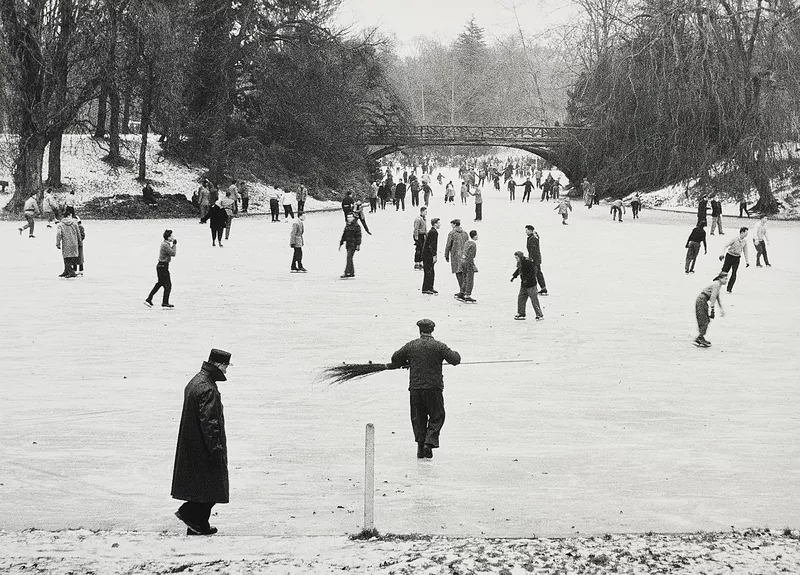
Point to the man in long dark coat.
(424, 357)
(430, 246)
(200, 476)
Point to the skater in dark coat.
(400, 196)
(218, 219)
(167, 251)
(527, 289)
(697, 237)
(430, 246)
(200, 475)
(709, 296)
(424, 357)
(702, 209)
(351, 239)
(535, 255)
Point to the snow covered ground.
(620, 426)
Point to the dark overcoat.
(201, 458)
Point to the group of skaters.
(70, 233)
(731, 256)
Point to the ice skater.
(430, 247)
(68, 240)
(468, 268)
(708, 297)
(617, 209)
(218, 219)
(51, 209)
(200, 474)
(732, 256)
(527, 188)
(296, 243)
(167, 251)
(478, 204)
(418, 235)
(512, 189)
(351, 239)
(564, 207)
(229, 205)
(423, 357)
(697, 237)
(636, 206)
(760, 242)
(716, 216)
(527, 288)
(453, 250)
(535, 255)
(82, 233)
(31, 210)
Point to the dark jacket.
(400, 190)
(347, 204)
(217, 216)
(716, 208)
(201, 458)
(698, 235)
(534, 253)
(351, 236)
(702, 207)
(424, 358)
(431, 243)
(526, 272)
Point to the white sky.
(445, 19)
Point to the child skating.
(704, 307)
(564, 207)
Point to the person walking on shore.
(351, 239)
(244, 195)
(468, 267)
(732, 255)
(167, 251)
(302, 196)
(697, 237)
(423, 357)
(716, 216)
(535, 256)
(418, 235)
(430, 247)
(453, 250)
(296, 243)
(218, 219)
(708, 297)
(68, 240)
(760, 241)
(200, 473)
(274, 205)
(527, 289)
(31, 210)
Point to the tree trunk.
(28, 170)
(126, 112)
(113, 91)
(147, 106)
(54, 162)
(102, 106)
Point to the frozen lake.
(621, 425)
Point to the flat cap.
(456, 222)
(426, 325)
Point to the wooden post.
(369, 478)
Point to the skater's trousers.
(427, 415)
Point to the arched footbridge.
(540, 140)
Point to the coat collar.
(213, 371)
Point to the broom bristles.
(350, 371)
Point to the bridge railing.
(376, 134)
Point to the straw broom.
(350, 371)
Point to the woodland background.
(672, 89)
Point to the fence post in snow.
(369, 478)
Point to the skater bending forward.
(423, 357)
(704, 307)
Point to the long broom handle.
(498, 361)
